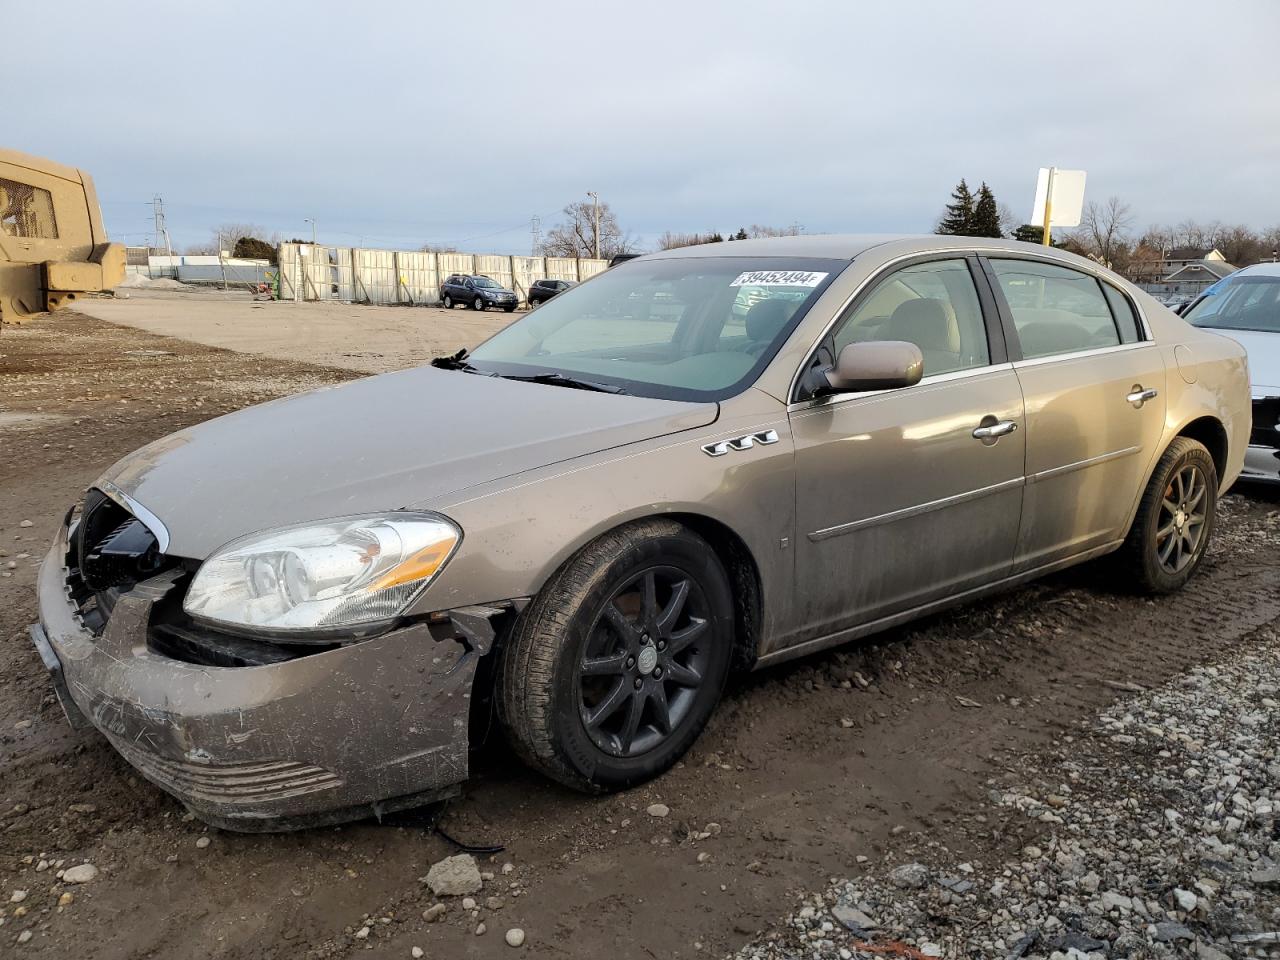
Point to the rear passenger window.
(1055, 309)
(1122, 309)
(933, 305)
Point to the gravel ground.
(1163, 819)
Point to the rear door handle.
(1139, 396)
(994, 430)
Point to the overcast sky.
(410, 122)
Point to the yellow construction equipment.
(53, 246)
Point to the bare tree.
(1104, 231)
(759, 230)
(576, 236)
(670, 241)
(437, 248)
(1009, 221)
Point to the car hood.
(1264, 357)
(380, 443)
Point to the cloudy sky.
(412, 122)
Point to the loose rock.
(83, 873)
(455, 876)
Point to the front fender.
(517, 533)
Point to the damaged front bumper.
(359, 729)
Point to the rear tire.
(613, 670)
(1175, 520)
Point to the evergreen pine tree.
(741, 234)
(986, 216)
(959, 216)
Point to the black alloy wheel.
(614, 668)
(642, 665)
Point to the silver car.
(293, 614)
(1246, 307)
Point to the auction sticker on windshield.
(779, 278)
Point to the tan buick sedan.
(703, 459)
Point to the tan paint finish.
(38, 273)
(868, 510)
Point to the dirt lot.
(349, 336)
(867, 751)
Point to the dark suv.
(477, 292)
(540, 291)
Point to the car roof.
(1258, 269)
(850, 246)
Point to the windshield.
(1239, 303)
(484, 282)
(695, 328)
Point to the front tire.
(1175, 519)
(510, 309)
(615, 667)
(448, 302)
(477, 303)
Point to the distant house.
(1181, 273)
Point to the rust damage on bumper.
(357, 730)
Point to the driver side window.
(933, 305)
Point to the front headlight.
(322, 576)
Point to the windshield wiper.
(560, 380)
(458, 361)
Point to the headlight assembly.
(322, 577)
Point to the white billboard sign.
(1067, 197)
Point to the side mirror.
(876, 365)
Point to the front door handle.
(1138, 396)
(993, 431)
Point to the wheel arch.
(744, 580)
(1211, 432)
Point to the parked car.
(477, 292)
(289, 615)
(540, 291)
(1246, 307)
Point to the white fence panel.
(496, 268)
(353, 274)
(456, 263)
(318, 272)
(562, 268)
(345, 274)
(525, 270)
(290, 272)
(419, 282)
(374, 276)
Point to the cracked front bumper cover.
(360, 729)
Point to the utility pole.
(535, 238)
(595, 218)
(157, 211)
(313, 228)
